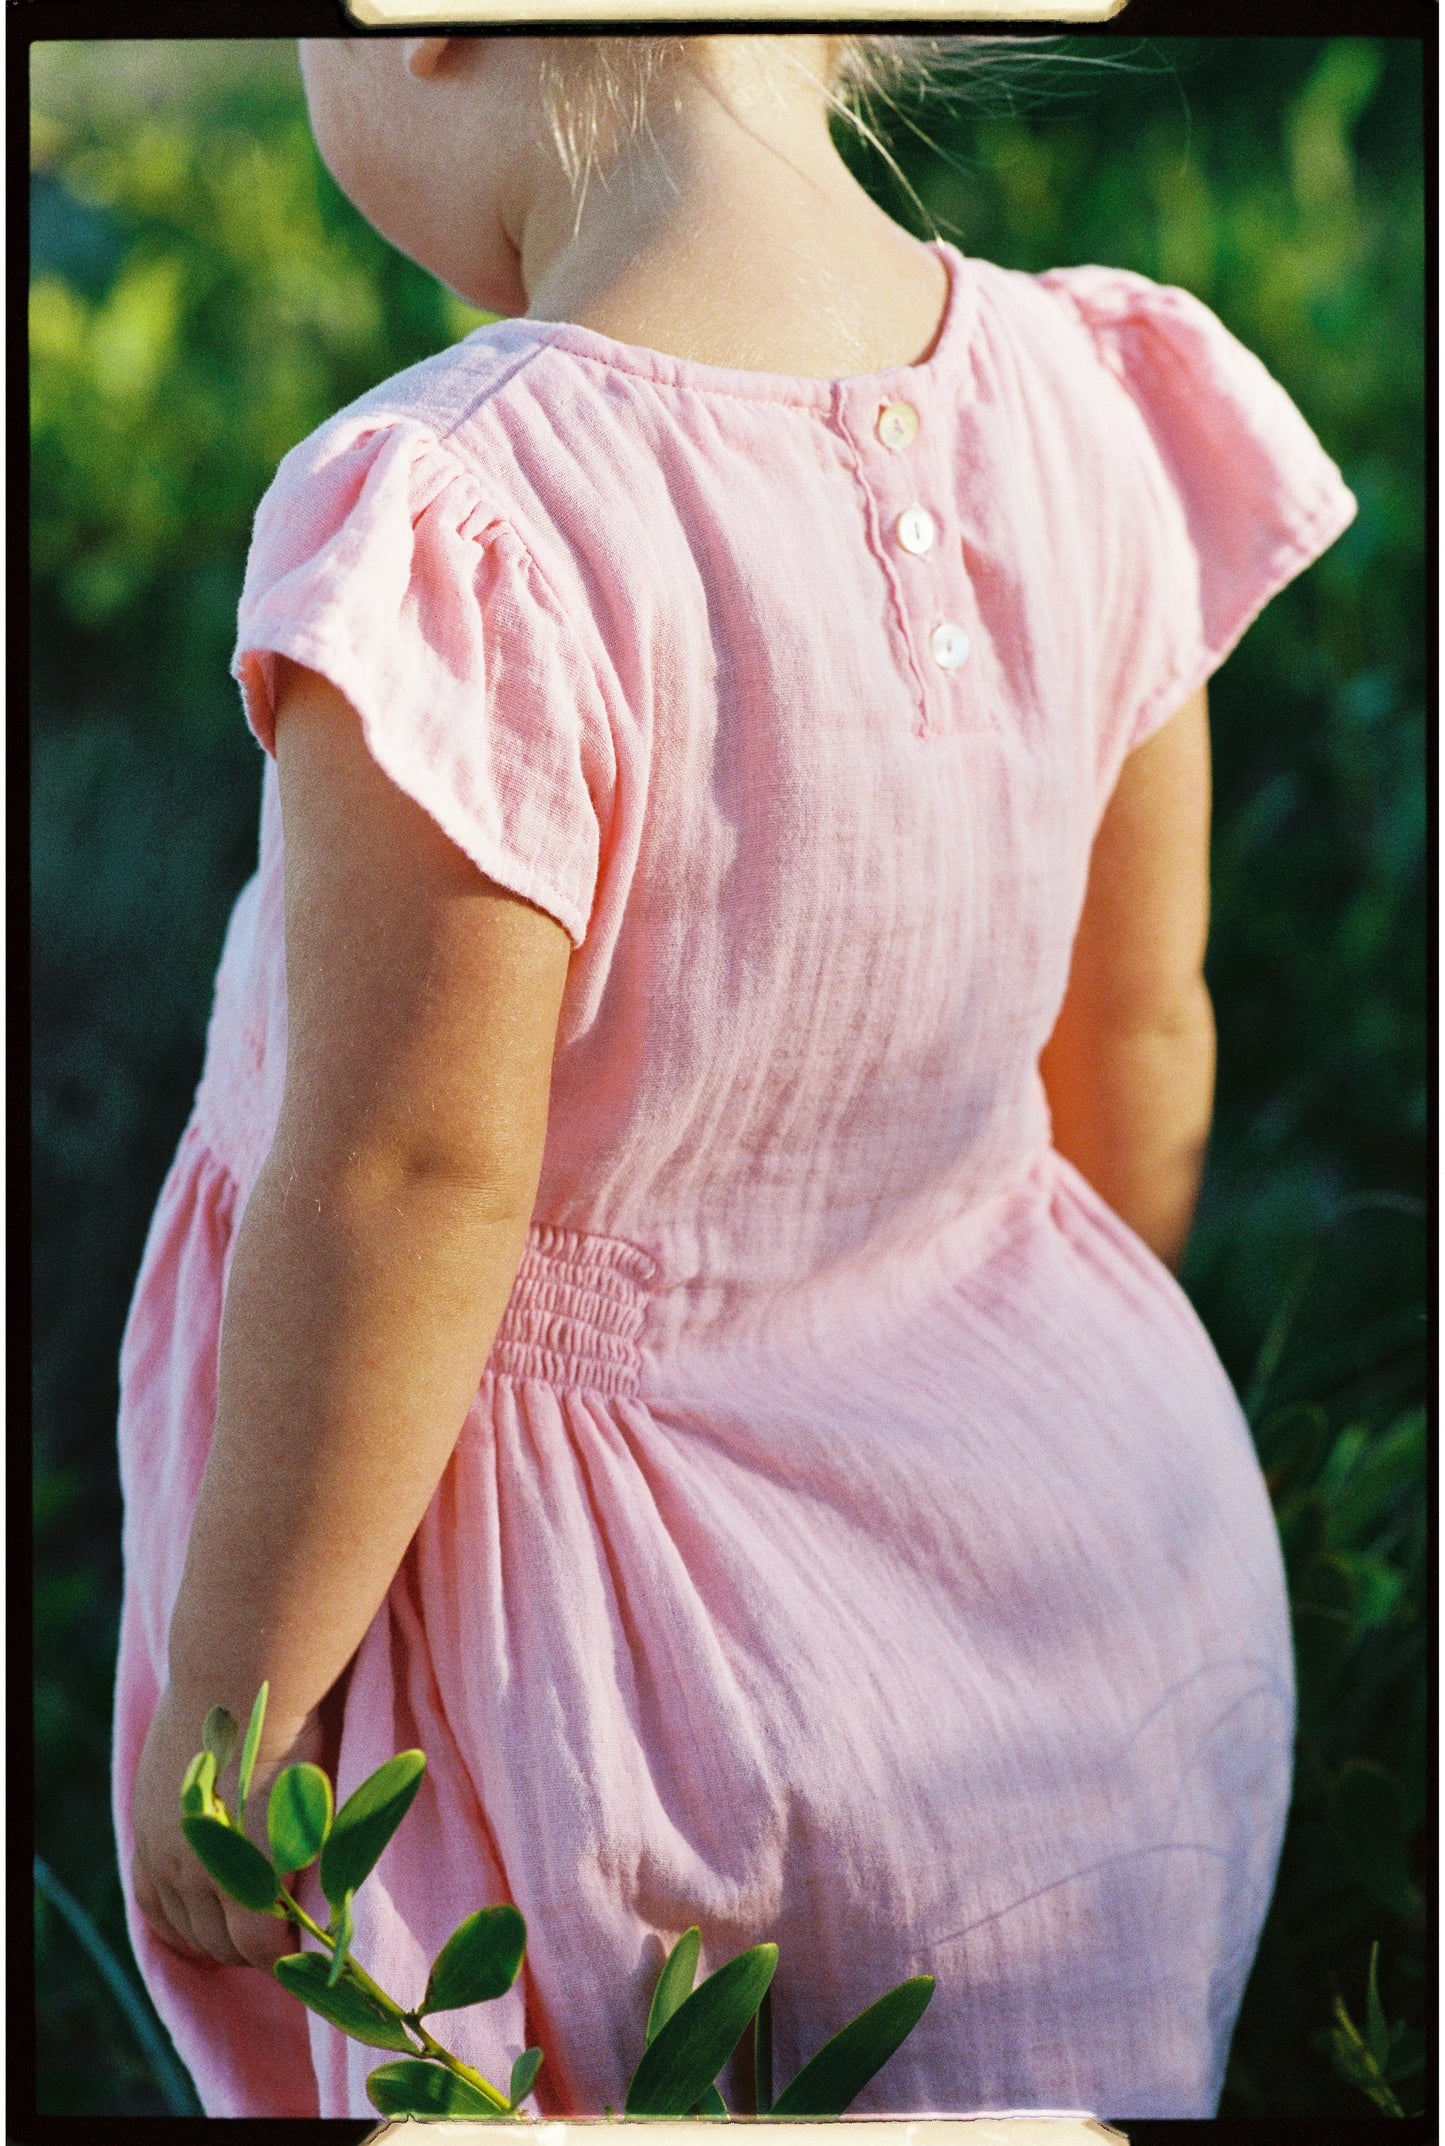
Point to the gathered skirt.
(950, 1638)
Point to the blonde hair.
(595, 89)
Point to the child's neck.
(733, 234)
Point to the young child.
(698, 1115)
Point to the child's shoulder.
(495, 433)
(1095, 322)
(435, 400)
(1185, 371)
(1125, 359)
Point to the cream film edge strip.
(476, 14)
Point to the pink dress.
(855, 1540)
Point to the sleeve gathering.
(375, 562)
(1242, 496)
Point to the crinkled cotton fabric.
(855, 1541)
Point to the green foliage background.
(202, 297)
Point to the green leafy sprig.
(691, 2032)
(1378, 2060)
(480, 1959)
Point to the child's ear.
(424, 55)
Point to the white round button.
(948, 646)
(915, 530)
(898, 424)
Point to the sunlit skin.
(730, 230)
(380, 1244)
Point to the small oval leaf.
(690, 2051)
(844, 2065)
(237, 1867)
(478, 1962)
(251, 1746)
(421, 2089)
(198, 1788)
(524, 2075)
(366, 1822)
(347, 2007)
(219, 1736)
(298, 1816)
(679, 1972)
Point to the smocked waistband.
(576, 1313)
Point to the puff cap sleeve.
(375, 562)
(1235, 495)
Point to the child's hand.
(184, 1907)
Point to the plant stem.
(483, 2086)
(431, 2047)
(296, 1913)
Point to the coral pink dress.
(855, 1540)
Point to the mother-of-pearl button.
(898, 424)
(915, 529)
(948, 645)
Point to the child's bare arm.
(1129, 1068)
(373, 1264)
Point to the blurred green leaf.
(1292, 1446)
(1384, 1468)
(1324, 1603)
(1303, 1526)
(63, 1601)
(53, 1492)
(1379, 1587)
(1367, 1813)
(178, 2093)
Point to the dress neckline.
(692, 376)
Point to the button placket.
(916, 532)
(895, 463)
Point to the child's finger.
(206, 1919)
(164, 1917)
(172, 1925)
(261, 1940)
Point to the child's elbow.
(1181, 1013)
